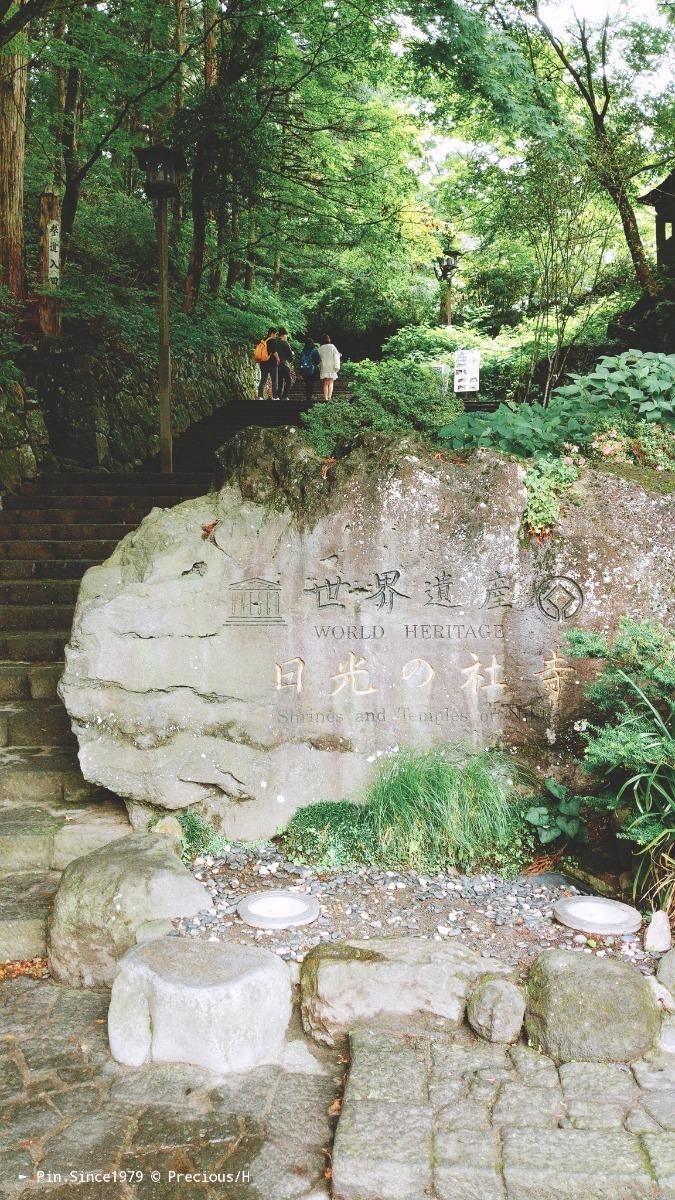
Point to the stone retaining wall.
(24, 441)
(100, 402)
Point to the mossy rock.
(588, 1009)
(350, 984)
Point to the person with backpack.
(267, 357)
(329, 366)
(285, 359)
(309, 367)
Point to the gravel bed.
(511, 919)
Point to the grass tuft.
(425, 811)
(199, 837)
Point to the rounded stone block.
(224, 1008)
(588, 1009)
(495, 1010)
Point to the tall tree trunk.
(200, 215)
(210, 18)
(73, 179)
(605, 162)
(249, 274)
(199, 219)
(217, 272)
(611, 177)
(60, 90)
(643, 272)
(234, 261)
(179, 8)
(13, 90)
(276, 272)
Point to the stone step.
(25, 902)
(38, 775)
(131, 485)
(34, 646)
(61, 481)
(62, 568)
(42, 616)
(37, 551)
(35, 723)
(29, 681)
(72, 519)
(49, 837)
(54, 592)
(142, 503)
(61, 532)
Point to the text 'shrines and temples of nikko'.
(234, 656)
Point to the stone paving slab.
(383, 1150)
(467, 1165)
(66, 1106)
(501, 1124)
(661, 1150)
(571, 1164)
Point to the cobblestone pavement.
(466, 1120)
(511, 919)
(66, 1106)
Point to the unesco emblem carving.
(255, 602)
(560, 598)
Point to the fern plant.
(635, 744)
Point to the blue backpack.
(308, 362)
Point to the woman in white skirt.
(329, 365)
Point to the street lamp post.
(162, 166)
(444, 268)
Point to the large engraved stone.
(258, 649)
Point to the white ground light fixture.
(596, 914)
(278, 909)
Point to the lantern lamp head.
(448, 263)
(162, 166)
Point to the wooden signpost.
(50, 261)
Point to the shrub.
(388, 397)
(546, 480)
(583, 413)
(9, 344)
(329, 835)
(635, 744)
(560, 815)
(502, 357)
(199, 837)
(428, 811)
(523, 429)
(643, 383)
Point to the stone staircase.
(50, 534)
(195, 448)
